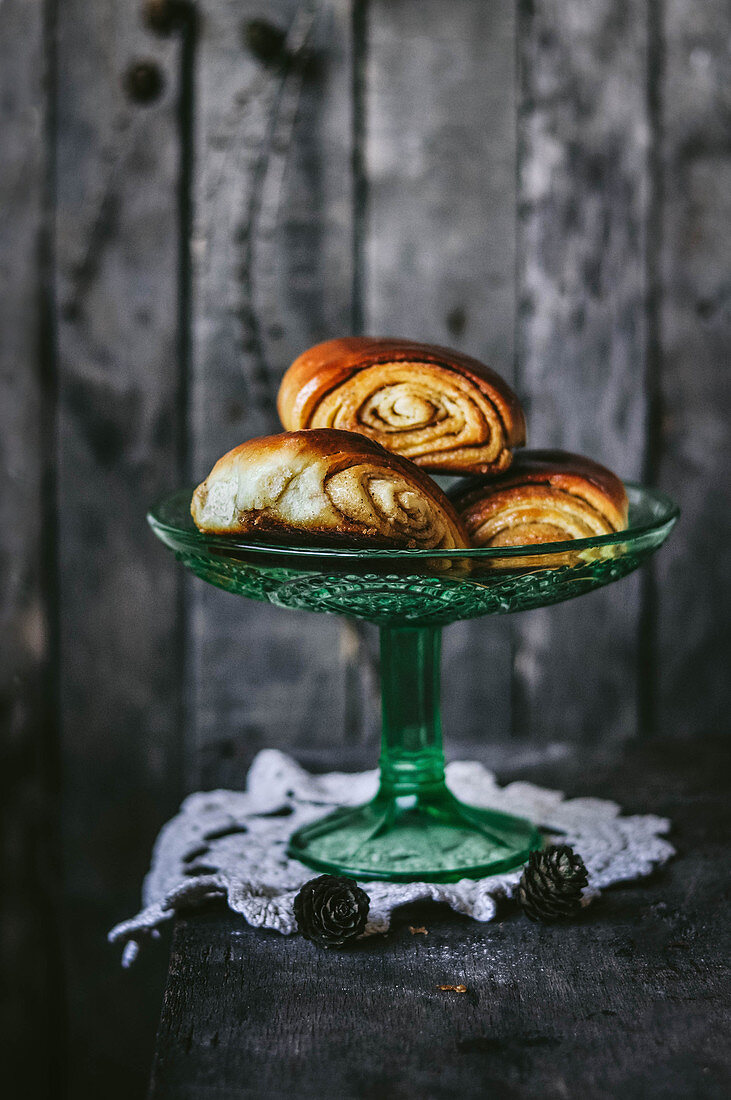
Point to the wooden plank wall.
(119, 444)
(188, 197)
(692, 319)
(30, 972)
(583, 194)
(272, 257)
(438, 241)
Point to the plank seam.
(186, 116)
(50, 741)
(647, 627)
(360, 180)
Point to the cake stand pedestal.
(414, 828)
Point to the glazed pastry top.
(325, 485)
(444, 410)
(546, 496)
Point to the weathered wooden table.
(631, 1001)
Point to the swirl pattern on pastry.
(325, 487)
(445, 411)
(546, 496)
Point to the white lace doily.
(233, 844)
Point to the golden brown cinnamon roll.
(444, 411)
(325, 487)
(546, 496)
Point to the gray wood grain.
(272, 274)
(438, 242)
(629, 1001)
(693, 456)
(583, 188)
(363, 179)
(30, 997)
(117, 224)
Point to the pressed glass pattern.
(415, 829)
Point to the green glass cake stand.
(414, 829)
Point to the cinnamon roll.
(325, 487)
(445, 411)
(546, 496)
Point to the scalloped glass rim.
(649, 511)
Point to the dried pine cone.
(551, 884)
(330, 910)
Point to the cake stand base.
(424, 837)
(414, 830)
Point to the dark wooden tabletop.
(631, 1001)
